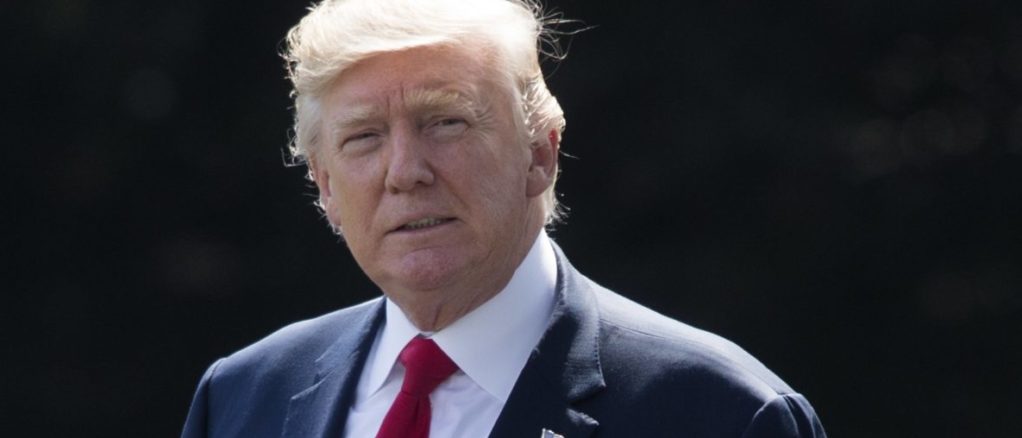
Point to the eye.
(447, 128)
(361, 136)
(449, 121)
(360, 141)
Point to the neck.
(433, 315)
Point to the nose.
(407, 162)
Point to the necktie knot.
(426, 366)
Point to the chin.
(426, 271)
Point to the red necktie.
(426, 366)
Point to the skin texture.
(428, 133)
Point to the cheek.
(352, 195)
(499, 189)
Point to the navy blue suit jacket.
(606, 366)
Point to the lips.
(424, 223)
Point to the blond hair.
(336, 34)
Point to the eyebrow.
(351, 117)
(415, 101)
(422, 99)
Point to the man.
(433, 141)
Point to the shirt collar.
(492, 343)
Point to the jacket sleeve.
(197, 422)
(787, 415)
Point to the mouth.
(424, 223)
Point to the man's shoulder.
(249, 391)
(660, 348)
(673, 373)
(294, 348)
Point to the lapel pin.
(547, 433)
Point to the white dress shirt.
(490, 345)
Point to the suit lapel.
(321, 410)
(563, 370)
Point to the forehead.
(425, 76)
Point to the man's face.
(421, 166)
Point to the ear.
(543, 168)
(322, 179)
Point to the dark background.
(836, 186)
